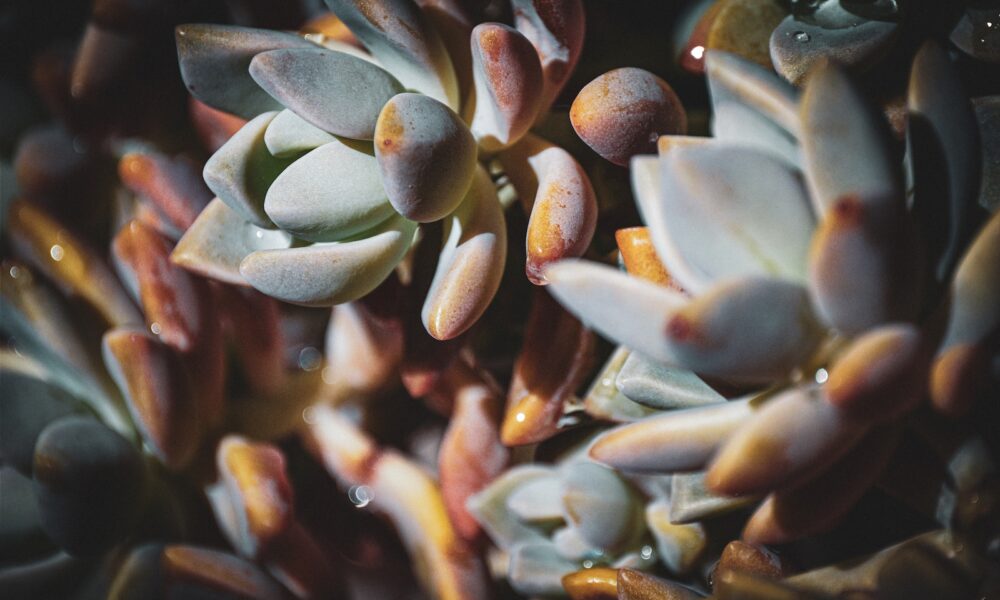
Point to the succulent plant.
(797, 271)
(800, 397)
(321, 192)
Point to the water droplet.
(260, 234)
(360, 495)
(309, 358)
(646, 553)
(155, 328)
(588, 564)
(822, 375)
(15, 272)
(57, 252)
(309, 415)
(801, 36)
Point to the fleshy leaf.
(338, 93)
(214, 60)
(330, 194)
(426, 155)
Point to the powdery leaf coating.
(564, 214)
(398, 36)
(214, 60)
(797, 433)
(844, 146)
(729, 211)
(623, 112)
(853, 265)
(338, 93)
(219, 239)
(471, 264)
(331, 273)
(290, 135)
(626, 309)
(734, 79)
(331, 193)
(659, 386)
(242, 170)
(556, 29)
(679, 440)
(882, 374)
(508, 79)
(157, 391)
(426, 156)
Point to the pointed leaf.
(679, 440)
(214, 60)
(679, 545)
(626, 309)
(722, 332)
(338, 93)
(731, 211)
(732, 78)
(219, 239)
(658, 386)
(333, 273)
(794, 435)
(845, 145)
(881, 375)
(256, 485)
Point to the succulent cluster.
(339, 162)
(800, 395)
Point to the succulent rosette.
(350, 147)
(804, 276)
